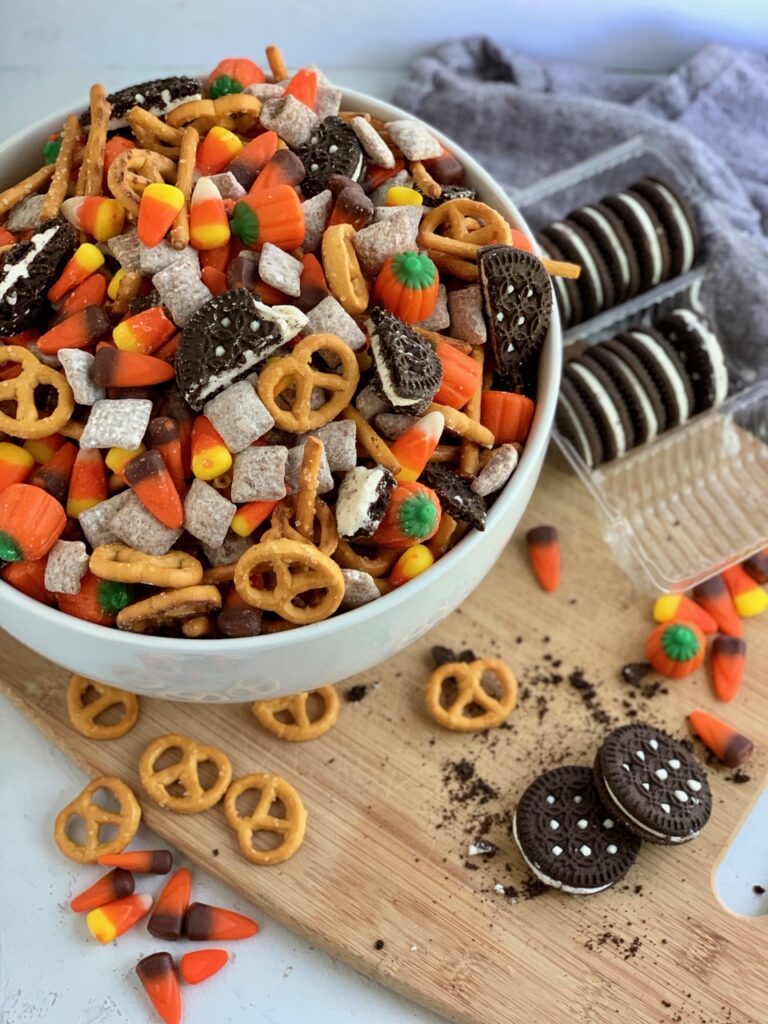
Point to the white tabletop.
(51, 970)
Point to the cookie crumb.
(215, 853)
(739, 777)
(378, 944)
(356, 693)
(635, 671)
(758, 890)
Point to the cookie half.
(332, 149)
(574, 422)
(614, 244)
(646, 234)
(653, 785)
(159, 97)
(665, 369)
(699, 350)
(567, 837)
(678, 218)
(28, 270)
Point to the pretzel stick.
(424, 180)
(14, 195)
(220, 573)
(436, 338)
(277, 63)
(97, 140)
(184, 172)
(307, 495)
(439, 543)
(200, 625)
(62, 169)
(370, 440)
(444, 453)
(558, 268)
(462, 425)
(73, 430)
(469, 450)
(127, 292)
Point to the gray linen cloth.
(524, 118)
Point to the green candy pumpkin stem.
(417, 516)
(679, 642)
(414, 269)
(245, 223)
(224, 85)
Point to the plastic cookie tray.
(693, 501)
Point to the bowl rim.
(529, 463)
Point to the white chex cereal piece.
(154, 258)
(67, 564)
(116, 423)
(264, 90)
(330, 317)
(328, 102)
(415, 142)
(228, 185)
(96, 522)
(229, 551)
(135, 525)
(497, 470)
(377, 242)
(370, 403)
(181, 290)
(392, 425)
(293, 471)
(239, 415)
(414, 212)
(439, 318)
(77, 369)
(126, 249)
(465, 306)
(291, 119)
(259, 474)
(340, 443)
(207, 514)
(280, 269)
(26, 215)
(316, 212)
(359, 589)
(373, 144)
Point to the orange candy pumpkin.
(676, 649)
(407, 286)
(233, 74)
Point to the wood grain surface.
(394, 802)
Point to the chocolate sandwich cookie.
(665, 369)
(408, 372)
(333, 148)
(678, 218)
(636, 387)
(614, 245)
(653, 785)
(517, 297)
(567, 837)
(28, 270)
(363, 500)
(224, 341)
(565, 289)
(574, 421)
(611, 379)
(594, 282)
(158, 97)
(448, 192)
(700, 352)
(606, 408)
(456, 496)
(646, 233)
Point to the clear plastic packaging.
(695, 500)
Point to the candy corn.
(208, 224)
(461, 376)
(92, 292)
(204, 923)
(757, 566)
(728, 660)
(303, 87)
(86, 261)
(160, 203)
(16, 464)
(214, 280)
(714, 597)
(251, 515)
(158, 976)
(398, 195)
(210, 456)
(679, 608)
(54, 475)
(31, 522)
(544, 555)
(250, 160)
(748, 596)
(729, 746)
(163, 436)
(43, 448)
(122, 368)
(414, 448)
(99, 601)
(144, 332)
(29, 578)
(88, 483)
(413, 516)
(272, 216)
(117, 459)
(508, 416)
(77, 331)
(113, 290)
(109, 922)
(217, 149)
(202, 964)
(148, 477)
(314, 287)
(167, 920)
(143, 862)
(282, 168)
(97, 216)
(412, 563)
(113, 886)
(676, 649)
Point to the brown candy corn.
(205, 923)
(167, 920)
(113, 886)
(726, 744)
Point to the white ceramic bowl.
(255, 668)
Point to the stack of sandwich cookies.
(624, 392)
(626, 244)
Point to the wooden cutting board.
(394, 802)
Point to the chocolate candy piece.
(518, 303)
(28, 271)
(653, 784)
(222, 343)
(332, 149)
(409, 372)
(456, 495)
(158, 97)
(567, 837)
